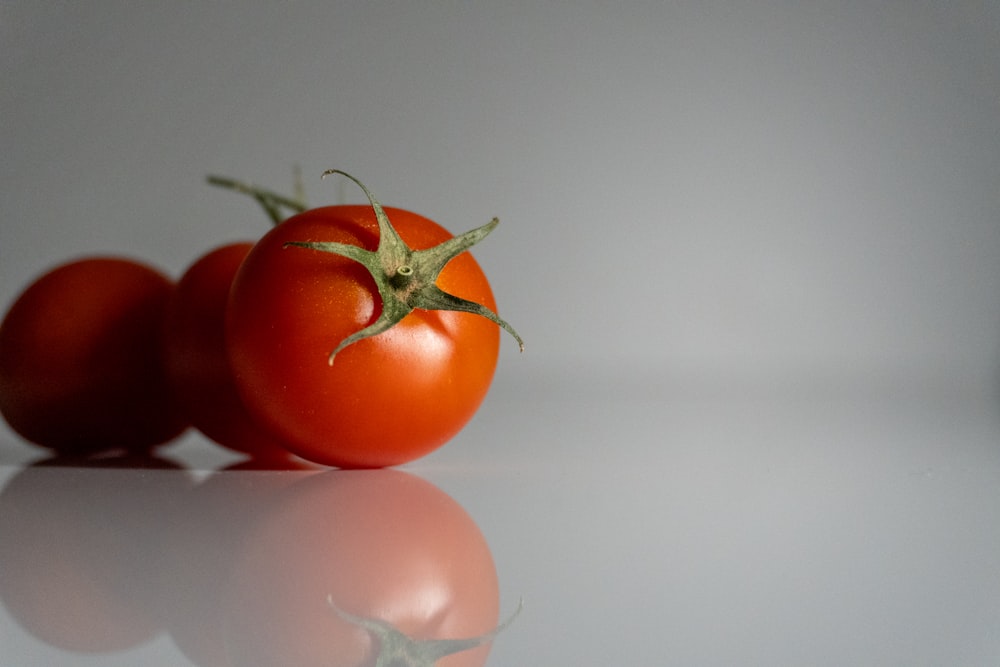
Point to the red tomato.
(80, 367)
(387, 399)
(196, 360)
(380, 545)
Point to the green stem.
(270, 201)
(406, 278)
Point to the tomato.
(340, 556)
(196, 359)
(80, 367)
(404, 381)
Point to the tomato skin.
(80, 367)
(385, 400)
(196, 360)
(381, 544)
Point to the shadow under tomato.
(281, 462)
(81, 549)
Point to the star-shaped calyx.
(396, 649)
(406, 278)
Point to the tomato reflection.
(202, 546)
(251, 566)
(80, 549)
(383, 546)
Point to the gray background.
(758, 187)
(753, 247)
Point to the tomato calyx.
(397, 649)
(405, 278)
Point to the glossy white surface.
(648, 522)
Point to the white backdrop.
(762, 187)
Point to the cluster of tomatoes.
(107, 353)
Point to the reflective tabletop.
(599, 519)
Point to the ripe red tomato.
(80, 367)
(387, 399)
(381, 545)
(196, 360)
